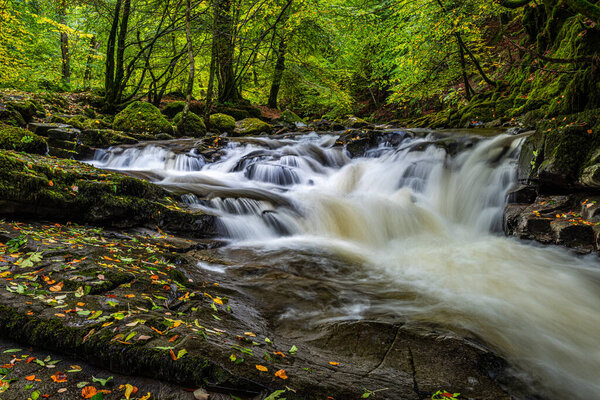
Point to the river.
(411, 231)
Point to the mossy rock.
(252, 126)
(104, 138)
(222, 122)
(11, 117)
(142, 117)
(55, 101)
(14, 138)
(173, 108)
(82, 122)
(41, 187)
(192, 125)
(290, 117)
(356, 123)
(26, 108)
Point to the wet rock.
(42, 129)
(105, 138)
(522, 195)
(353, 122)
(63, 133)
(13, 138)
(573, 234)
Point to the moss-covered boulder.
(104, 138)
(142, 117)
(290, 117)
(222, 122)
(353, 122)
(173, 108)
(26, 108)
(192, 125)
(14, 138)
(10, 117)
(82, 122)
(39, 186)
(252, 126)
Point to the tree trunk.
(87, 76)
(223, 40)
(188, 34)
(119, 66)
(64, 46)
(109, 77)
(461, 55)
(278, 74)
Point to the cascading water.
(420, 226)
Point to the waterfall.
(420, 216)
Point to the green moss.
(253, 126)
(173, 108)
(290, 117)
(13, 118)
(82, 122)
(192, 125)
(142, 117)
(25, 108)
(104, 138)
(13, 138)
(222, 122)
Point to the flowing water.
(409, 231)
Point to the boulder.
(142, 117)
(14, 138)
(11, 117)
(252, 126)
(173, 108)
(105, 138)
(357, 142)
(222, 123)
(522, 195)
(291, 118)
(42, 129)
(42, 187)
(26, 108)
(192, 125)
(353, 122)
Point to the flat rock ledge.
(135, 302)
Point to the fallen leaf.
(88, 392)
(281, 374)
(30, 378)
(334, 363)
(59, 377)
(56, 288)
(173, 356)
(200, 394)
(262, 368)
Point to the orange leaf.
(173, 356)
(56, 288)
(59, 377)
(88, 392)
(334, 363)
(50, 183)
(30, 377)
(281, 374)
(174, 338)
(262, 368)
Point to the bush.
(192, 125)
(142, 117)
(222, 122)
(13, 138)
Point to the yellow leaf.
(262, 368)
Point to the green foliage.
(222, 122)
(142, 117)
(192, 125)
(13, 138)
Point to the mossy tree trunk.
(278, 74)
(64, 45)
(188, 35)
(223, 41)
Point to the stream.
(412, 231)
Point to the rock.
(223, 123)
(572, 234)
(357, 142)
(590, 177)
(291, 118)
(42, 187)
(353, 122)
(522, 195)
(10, 117)
(324, 125)
(105, 138)
(42, 129)
(192, 125)
(173, 108)
(14, 138)
(142, 117)
(252, 126)
(26, 108)
(63, 133)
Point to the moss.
(222, 122)
(142, 117)
(82, 122)
(173, 108)
(104, 138)
(290, 117)
(13, 138)
(192, 125)
(25, 108)
(13, 118)
(253, 126)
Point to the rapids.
(412, 231)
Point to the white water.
(418, 220)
